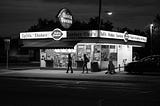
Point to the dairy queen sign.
(57, 34)
(65, 18)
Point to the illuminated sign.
(78, 34)
(116, 35)
(57, 34)
(65, 18)
(41, 35)
(105, 34)
(126, 37)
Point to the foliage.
(48, 25)
(155, 37)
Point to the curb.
(75, 79)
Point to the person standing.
(69, 64)
(85, 61)
(111, 68)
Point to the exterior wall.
(124, 54)
(42, 59)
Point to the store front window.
(97, 53)
(104, 52)
(101, 53)
(58, 58)
(108, 52)
(113, 54)
(81, 50)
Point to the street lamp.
(151, 33)
(108, 12)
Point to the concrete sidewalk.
(76, 75)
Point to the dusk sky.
(18, 15)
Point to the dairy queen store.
(54, 47)
(100, 46)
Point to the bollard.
(119, 67)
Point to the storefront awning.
(48, 43)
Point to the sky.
(18, 15)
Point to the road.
(45, 92)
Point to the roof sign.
(65, 18)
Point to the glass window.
(113, 53)
(97, 53)
(88, 51)
(80, 52)
(104, 52)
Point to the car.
(146, 64)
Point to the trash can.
(49, 63)
(94, 67)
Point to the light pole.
(99, 16)
(7, 47)
(151, 33)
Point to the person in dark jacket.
(69, 63)
(85, 61)
(111, 68)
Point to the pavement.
(119, 76)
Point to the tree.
(45, 25)
(156, 35)
(92, 24)
(122, 30)
(105, 25)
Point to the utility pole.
(151, 33)
(99, 17)
(7, 47)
